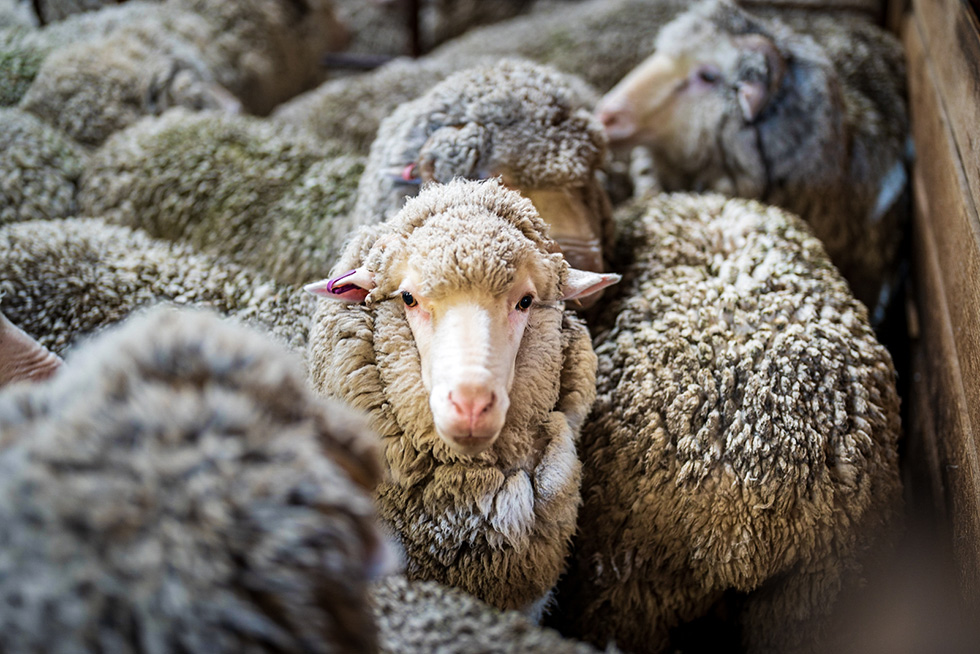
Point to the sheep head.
(521, 122)
(713, 74)
(471, 267)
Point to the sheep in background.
(348, 110)
(91, 89)
(39, 169)
(744, 436)
(750, 107)
(421, 617)
(236, 186)
(177, 487)
(521, 121)
(22, 357)
(67, 278)
(476, 379)
(16, 13)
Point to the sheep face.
(694, 101)
(468, 297)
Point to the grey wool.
(806, 113)
(239, 187)
(421, 617)
(94, 88)
(348, 110)
(518, 120)
(65, 279)
(39, 169)
(177, 487)
(597, 40)
(744, 437)
(496, 524)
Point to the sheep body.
(810, 117)
(39, 169)
(68, 278)
(176, 487)
(496, 524)
(231, 186)
(420, 617)
(519, 120)
(744, 436)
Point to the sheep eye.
(709, 75)
(525, 303)
(409, 299)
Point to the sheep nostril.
(471, 404)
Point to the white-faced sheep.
(63, 279)
(39, 169)
(476, 380)
(421, 617)
(811, 119)
(521, 121)
(236, 186)
(176, 487)
(744, 437)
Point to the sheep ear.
(352, 286)
(754, 94)
(582, 283)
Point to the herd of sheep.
(559, 338)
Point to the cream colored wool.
(744, 436)
(177, 487)
(496, 525)
(421, 617)
(67, 278)
(240, 187)
(39, 169)
(517, 119)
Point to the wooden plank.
(922, 465)
(944, 246)
(951, 35)
(953, 216)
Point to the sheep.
(597, 40)
(744, 435)
(92, 89)
(750, 107)
(67, 278)
(22, 357)
(16, 13)
(522, 121)
(39, 169)
(349, 109)
(420, 617)
(234, 186)
(177, 487)
(478, 432)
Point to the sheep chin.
(466, 444)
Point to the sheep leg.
(21, 357)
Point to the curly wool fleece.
(497, 525)
(178, 488)
(744, 435)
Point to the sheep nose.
(617, 120)
(471, 402)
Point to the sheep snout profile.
(468, 337)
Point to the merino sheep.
(476, 380)
(91, 89)
(177, 488)
(521, 121)
(744, 437)
(39, 169)
(67, 278)
(811, 119)
(421, 617)
(234, 186)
